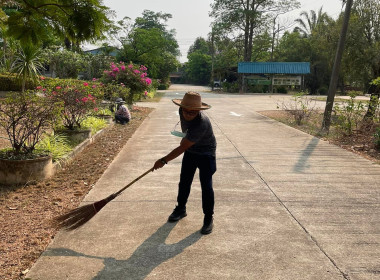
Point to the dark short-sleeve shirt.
(199, 131)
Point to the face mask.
(176, 132)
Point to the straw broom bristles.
(81, 215)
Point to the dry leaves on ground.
(360, 142)
(26, 212)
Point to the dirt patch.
(360, 142)
(25, 212)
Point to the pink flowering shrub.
(131, 76)
(78, 99)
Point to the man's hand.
(158, 164)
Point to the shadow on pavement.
(301, 164)
(150, 254)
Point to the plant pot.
(107, 118)
(76, 135)
(19, 172)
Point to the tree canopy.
(73, 20)
(149, 42)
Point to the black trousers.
(121, 119)
(207, 167)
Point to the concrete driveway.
(288, 206)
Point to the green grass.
(57, 145)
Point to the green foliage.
(113, 90)
(323, 90)
(78, 100)
(149, 43)
(94, 65)
(94, 123)
(376, 82)
(244, 19)
(311, 21)
(281, 89)
(25, 117)
(58, 145)
(132, 76)
(377, 138)
(349, 114)
(230, 87)
(27, 64)
(198, 68)
(65, 64)
(102, 112)
(9, 82)
(200, 45)
(76, 21)
(361, 61)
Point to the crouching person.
(122, 114)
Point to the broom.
(81, 215)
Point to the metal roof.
(274, 67)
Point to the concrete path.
(288, 206)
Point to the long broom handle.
(131, 183)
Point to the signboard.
(259, 82)
(287, 80)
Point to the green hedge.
(9, 82)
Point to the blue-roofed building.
(289, 74)
(293, 68)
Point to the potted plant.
(25, 117)
(78, 100)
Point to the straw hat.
(119, 101)
(191, 101)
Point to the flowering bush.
(131, 76)
(112, 90)
(78, 100)
(25, 117)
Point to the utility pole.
(336, 68)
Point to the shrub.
(300, 107)
(25, 117)
(77, 99)
(323, 90)
(132, 76)
(377, 138)
(282, 89)
(9, 82)
(112, 90)
(230, 87)
(163, 86)
(350, 114)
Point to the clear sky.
(190, 17)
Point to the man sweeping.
(198, 146)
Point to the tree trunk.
(335, 73)
(246, 32)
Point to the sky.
(190, 18)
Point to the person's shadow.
(150, 254)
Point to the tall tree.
(149, 42)
(310, 21)
(247, 17)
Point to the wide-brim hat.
(191, 101)
(119, 101)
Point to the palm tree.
(310, 21)
(27, 64)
